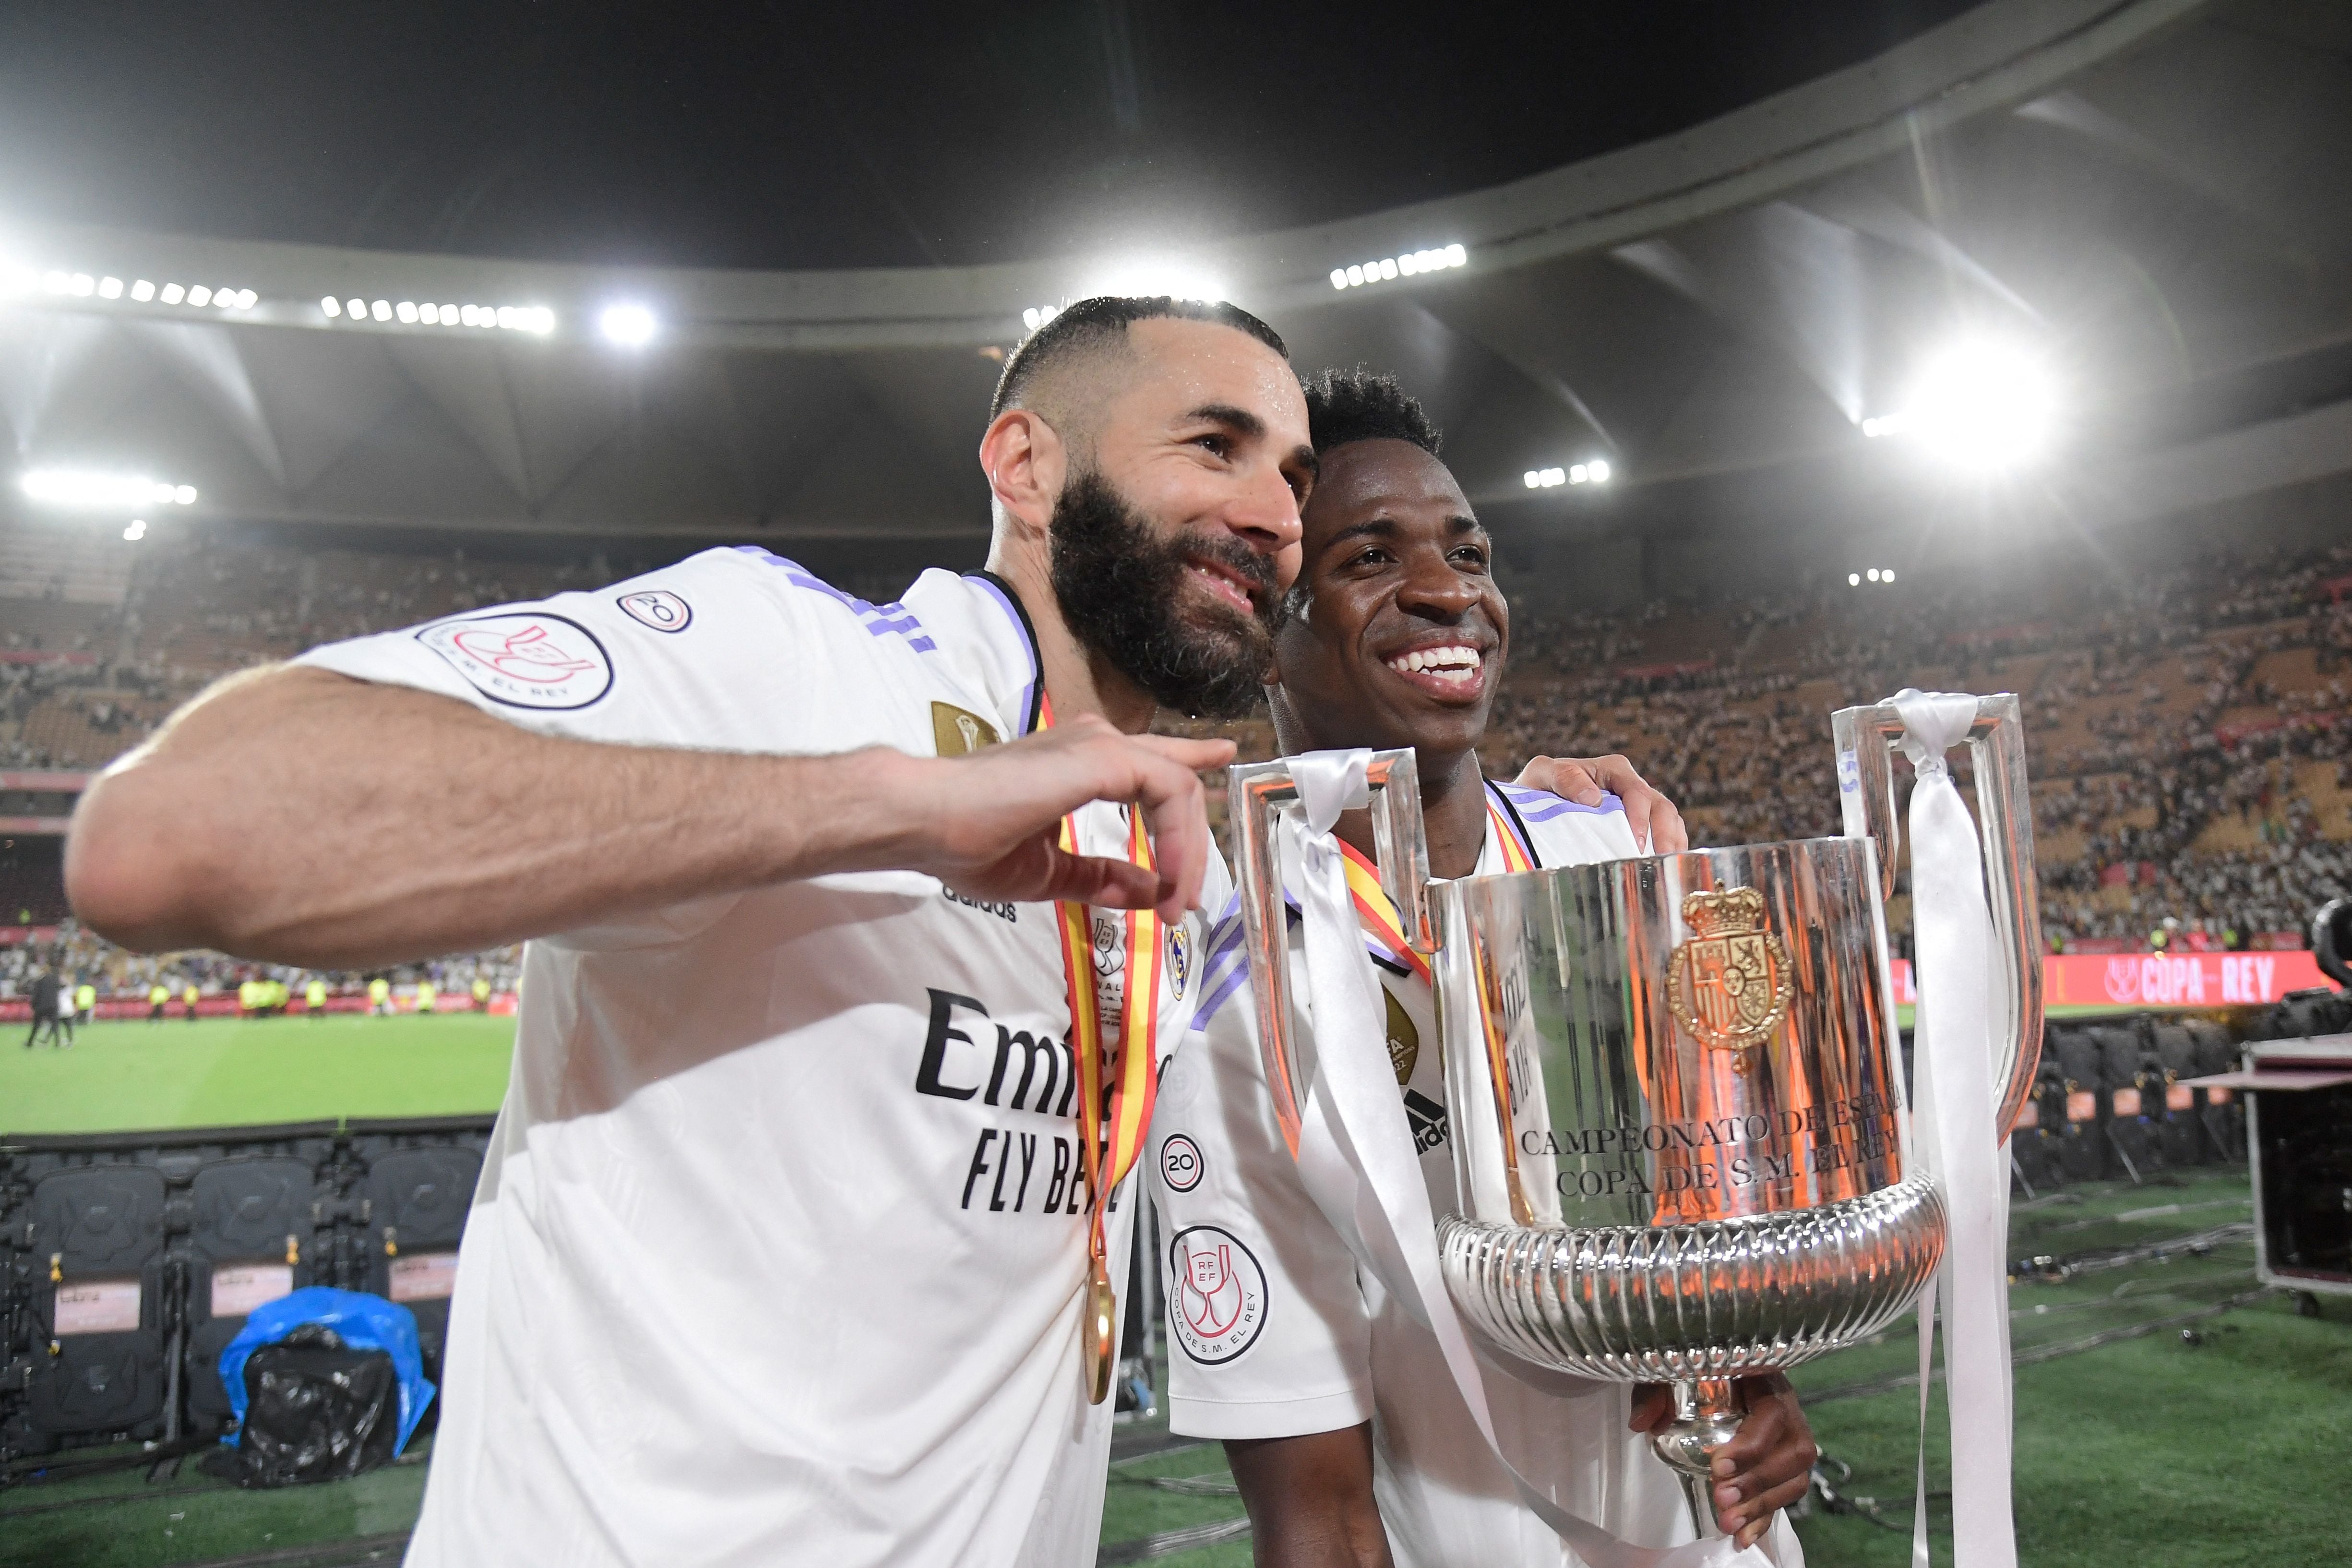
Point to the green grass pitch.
(228, 1072)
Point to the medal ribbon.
(1375, 910)
(1134, 1070)
(1515, 853)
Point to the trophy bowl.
(1680, 1125)
(1679, 1121)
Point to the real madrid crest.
(1728, 982)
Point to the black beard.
(1119, 586)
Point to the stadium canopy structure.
(2138, 206)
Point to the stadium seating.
(2189, 735)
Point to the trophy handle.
(1865, 738)
(1259, 794)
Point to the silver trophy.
(1679, 1119)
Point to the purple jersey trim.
(1021, 629)
(1535, 805)
(879, 620)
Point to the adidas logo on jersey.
(1427, 1118)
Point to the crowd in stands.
(2189, 727)
(83, 957)
(2189, 732)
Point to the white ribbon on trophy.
(1962, 992)
(1357, 1158)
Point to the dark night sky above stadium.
(785, 136)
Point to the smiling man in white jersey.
(804, 1270)
(1350, 1443)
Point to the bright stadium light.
(137, 531)
(1409, 265)
(1979, 404)
(631, 326)
(1145, 276)
(1595, 472)
(83, 488)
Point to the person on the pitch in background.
(796, 979)
(189, 996)
(157, 995)
(48, 1007)
(1346, 1433)
(314, 998)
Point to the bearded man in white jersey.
(805, 1269)
(1350, 1443)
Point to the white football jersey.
(1275, 1332)
(779, 1251)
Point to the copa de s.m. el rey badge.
(1728, 982)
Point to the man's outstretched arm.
(1310, 1500)
(302, 816)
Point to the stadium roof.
(2150, 195)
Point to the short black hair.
(1089, 325)
(1362, 405)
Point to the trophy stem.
(1706, 1416)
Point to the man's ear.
(1025, 462)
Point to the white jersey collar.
(992, 636)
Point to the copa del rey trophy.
(1683, 1143)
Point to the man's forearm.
(303, 818)
(1310, 1500)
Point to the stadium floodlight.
(84, 487)
(143, 290)
(137, 531)
(331, 307)
(1412, 264)
(1978, 402)
(1853, 579)
(1595, 472)
(172, 294)
(631, 326)
(1145, 276)
(109, 288)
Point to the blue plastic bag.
(365, 1322)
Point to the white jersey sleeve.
(723, 650)
(1269, 1336)
(1567, 834)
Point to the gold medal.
(1099, 1333)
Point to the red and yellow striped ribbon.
(1375, 910)
(1109, 1152)
(1515, 854)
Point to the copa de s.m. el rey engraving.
(1679, 1121)
(1728, 982)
